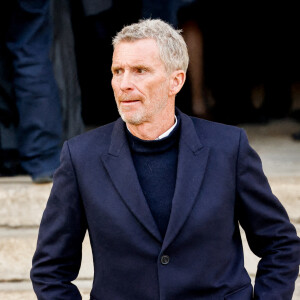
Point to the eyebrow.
(139, 66)
(148, 68)
(114, 68)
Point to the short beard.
(135, 119)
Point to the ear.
(177, 79)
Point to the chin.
(132, 118)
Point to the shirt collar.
(166, 133)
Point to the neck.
(152, 130)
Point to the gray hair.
(172, 47)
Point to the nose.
(126, 82)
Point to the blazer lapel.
(119, 165)
(192, 161)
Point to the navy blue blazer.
(220, 183)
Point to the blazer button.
(165, 259)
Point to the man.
(162, 195)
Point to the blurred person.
(9, 158)
(40, 126)
(162, 195)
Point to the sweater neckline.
(138, 145)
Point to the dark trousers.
(40, 126)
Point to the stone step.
(24, 291)
(22, 202)
(17, 247)
(287, 190)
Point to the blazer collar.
(192, 159)
(120, 167)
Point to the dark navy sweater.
(156, 166)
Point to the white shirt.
(166, 133)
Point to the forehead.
(140, 51)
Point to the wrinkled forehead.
(142, 50)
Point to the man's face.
(140, 82)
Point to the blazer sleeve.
(269, 232)
(57, 259)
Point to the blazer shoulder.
(95, 140)
(216, 134)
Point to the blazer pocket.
(244, 293)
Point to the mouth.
(128, 102)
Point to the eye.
(117, 71)
(140, 70)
